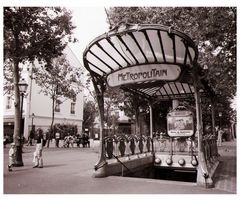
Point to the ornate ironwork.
(126, 145)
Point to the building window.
(57, 107)
(9, 103)
(72, 108)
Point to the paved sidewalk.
(69, 171)
(225, 177)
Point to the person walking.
(12, 156)
(38, 160)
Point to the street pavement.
(69, 171)
(225, 177)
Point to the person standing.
(219, 140)
(45, 134)
(12, 156)
(38, 160)
(30, 138)
(57, 138)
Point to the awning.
(8, 118)
(154, 61)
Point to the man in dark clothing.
(57, 138)
(31, 137)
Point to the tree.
(213, 30)
(60, 81)
(89, 114)
(131, 106)
(8, 78)
(113, 97)
(33, 33)
(111, 122)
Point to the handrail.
(122, 163)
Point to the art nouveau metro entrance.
(159, 64)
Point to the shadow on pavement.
(50, 166)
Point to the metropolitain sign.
(143, 73)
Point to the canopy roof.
(152, 60)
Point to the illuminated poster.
(180, 124)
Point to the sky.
(90, 22)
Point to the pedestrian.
(31, 137)
(71, 140)
(44, 138)
(66, 142)
(86, 141)
(57, 138)
(219, 140)
(78, 140)
(37, 155)
(12, 156)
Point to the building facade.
(37, 107)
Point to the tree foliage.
(63, 80)
(66, 129)
(33, 33)
(89, 114)
(36, 33)
(132, 105)
(59, 82)
(113, 97)
(212, 28)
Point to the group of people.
(40, 139)
(78, 139)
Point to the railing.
(126, 145)
(187, 146)
(175, 145)
(210, 149)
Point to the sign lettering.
(142, 73)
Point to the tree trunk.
(17, 137)
(51, 127)
(17, 120)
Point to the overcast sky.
(90, 22)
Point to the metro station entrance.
(159, 64)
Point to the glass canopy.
(152, 60)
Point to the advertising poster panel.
(180, 124)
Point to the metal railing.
(129, 145)
(126, 145)
(210, 147)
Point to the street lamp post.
(220, 119)
(33, 115)
(22, 88)
(31, 137)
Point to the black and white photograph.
(111, 99)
